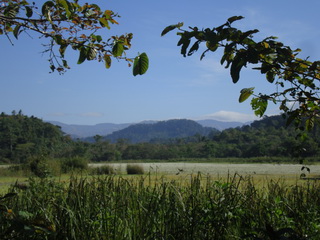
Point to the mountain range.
(104, 129)
(161, 131)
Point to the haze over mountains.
(104, 129)
(161, 131)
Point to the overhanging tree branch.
(68, 25)
(279, 63)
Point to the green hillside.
(22, 137)
(160, 131)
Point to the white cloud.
(212, 64)
(91, 114)
(227, 116)
(58, 114)
(209, 71)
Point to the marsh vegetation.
(190, 206)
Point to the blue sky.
(174, 86)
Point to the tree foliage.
(26, 139)
(69, 25)
(296, 79)
(159, 131)
(23, 137)
(265, 140)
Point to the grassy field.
(150, 207)
(184, 170)
(169, 201)
(219, 169)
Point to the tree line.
(265, 138)
(24, 138)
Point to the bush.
(55, 167)
(134, 169)
(39, 166)
(103, 170)
(15, 171)
(74, 163)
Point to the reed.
(113, 207)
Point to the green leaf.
(65, 64)
(236, 66)
(29, 12)
(25, 215)
(259, 105)
(11, 11)
(234, 18)
(82, 55)
(211, 36)
(265, 67)
(91, 54)
(52, 67)
(104, 22)
(65, 5)
(292, 116)
(245, 94)
(247, 34)
(62, 50)
(46, 10)
(204, 54)
(107, 61)
(185, 45)
(212, 46)
(171, 27)
(270, 76)
(99, 38)
(194, 48)
(58, 39)
(140, 64)
(228, 53)
(16, 31)
(117, 49)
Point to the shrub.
(55, 167)
(15, 171)
(103, 170)
(134, 169)
(38, 166)
(74, 163)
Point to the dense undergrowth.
(113, 207)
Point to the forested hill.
(266, 137)
(88, 131)
(160, 131)
(22, 137)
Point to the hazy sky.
(174, 86)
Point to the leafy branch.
(68, 25)
(296, 79)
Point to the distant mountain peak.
(160, 131)
(104, 129)
(220, 125)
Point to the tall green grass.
(112, 207)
